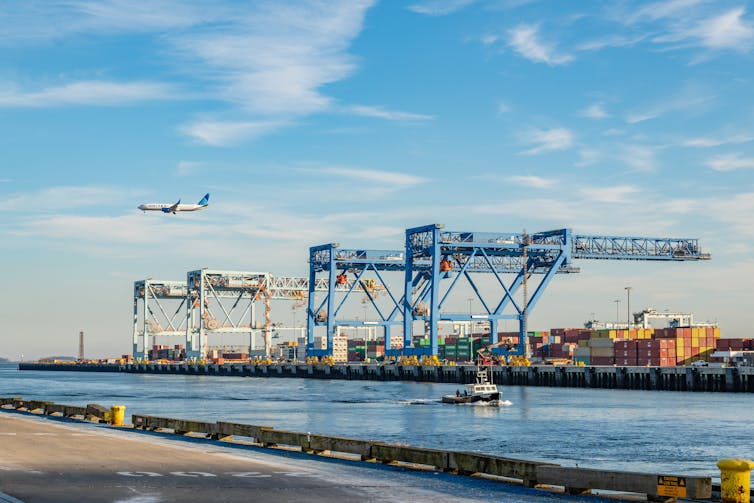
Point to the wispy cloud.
(525, 40)
(686, 99)
(664, 9)
(587, 157)
(502, 108)
(270, 60)
(382, 113)
(61, 198)
(706, 142)
(226, 133)
(439, 7)
(639, 157)
(391, 178)
(273, 58)
(730, 162)
(614, 194)
(548, 140)
(94, 93)
(725, 31)
(188, 167)
(535, 182)
(596, 111)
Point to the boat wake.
(420, 401)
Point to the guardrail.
(530, 473)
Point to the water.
(650, 431)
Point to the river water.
(678, 432)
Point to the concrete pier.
(729, 379)
(56, 460)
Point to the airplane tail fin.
(205, 200)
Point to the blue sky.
(348, 121)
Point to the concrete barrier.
(229, 430)
(321, 443)
(97, 411)
(8, 401)
(581, 480)
(65, 410)
(388, 453)
(468, 463)
(179, 426)
(270, 438)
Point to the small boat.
(481, 391)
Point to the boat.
(480, 391)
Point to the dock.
(724, 379)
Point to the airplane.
(173, 208)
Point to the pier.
(724, 379)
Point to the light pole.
(628, 307)
(617, 311)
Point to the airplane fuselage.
(171, 208)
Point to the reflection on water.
(630, 430)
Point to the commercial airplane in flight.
(173, 208)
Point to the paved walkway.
(55, 460)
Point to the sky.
(351, 120)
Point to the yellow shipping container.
(716, 332)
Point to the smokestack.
(81, 346)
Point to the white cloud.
(587, 157)
(502, 108)
(95, 93)
(391, 115)
(596, 111)
(524, 39)
(188, 167)
(535, 182)
(391, 178)
(62, 197)
(664, 9)
(227, 133)
(639, 157)
(439, 7)
(727, 31)
(641, 117)
(273, 58)
(615, 194)
(706, 142)
(730, 162)
(548, 140)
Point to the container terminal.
(410, 299)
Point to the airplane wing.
(173, 208)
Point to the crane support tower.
(345, 273)
(434, 254)
(158, 311)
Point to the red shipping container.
(667, 362)
(602, 360)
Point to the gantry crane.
(434, 254)
(349, 272)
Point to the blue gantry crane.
(434, 254)
(350, 272)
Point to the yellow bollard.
(117, 415)
(735, 480)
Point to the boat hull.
(492, 397)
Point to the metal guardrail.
(530, 473)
